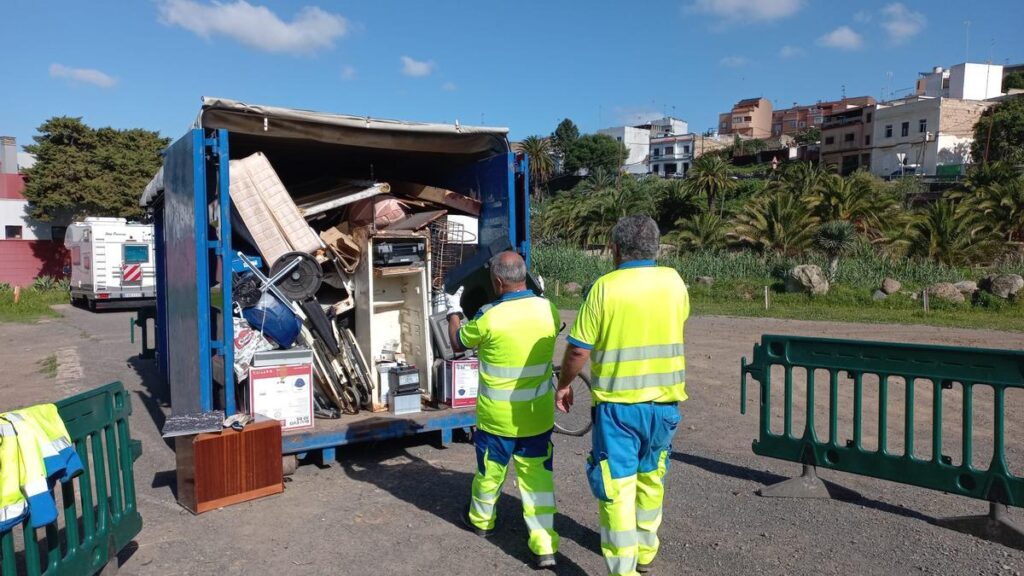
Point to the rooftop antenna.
(967, 40)
(844, 91)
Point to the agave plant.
(834, 238)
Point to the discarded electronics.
(284, 230)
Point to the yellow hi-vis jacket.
(632, 321)
(515, 341)
(35, 452)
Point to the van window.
(136, 254)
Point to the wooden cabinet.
(220, 469)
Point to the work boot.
(644, 568)
(545, 561)
(473, 528)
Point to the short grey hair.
(637, 238)
(509, 272)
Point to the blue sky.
(524, 65)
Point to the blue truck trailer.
(195, 243)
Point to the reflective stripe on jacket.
(515, 341)
(632, 321)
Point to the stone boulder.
(945, 291)
(879, 295)
(891, 286)
(1003, 285)
(807, 278)
(705, 281)
(967, 287)
(571, 289)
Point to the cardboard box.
(465, 380)
(284, 392)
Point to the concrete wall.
(636, 140)
(972, 81)
(22, 261)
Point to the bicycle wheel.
(577, 422)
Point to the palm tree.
(953, 234)
(777, 222)
(834, 238)
(704, 231)
(1003, 205)
(542, 163)
(803, 179)
(709, 177)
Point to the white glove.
(454, 302)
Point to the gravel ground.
(394, 507)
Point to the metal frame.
(207, 144)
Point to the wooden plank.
(441, 196)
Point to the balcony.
(671, 157)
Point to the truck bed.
(371, 426)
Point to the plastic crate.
(98, 515)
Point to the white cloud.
(348, 72)
(413, 67)
(311, 30)
(862, 17)
(901, 23)
(84, 75)
(26, 160)
(733, 61)
(843, 38)
(449, 87)
(736, 11)
(791, 52)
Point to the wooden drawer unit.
(216, 470)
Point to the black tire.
(578, 421)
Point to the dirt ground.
(394, 507)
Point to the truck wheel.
(92, 305)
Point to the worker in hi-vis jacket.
(515, 341)
(630, 328)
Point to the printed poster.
(284, 393)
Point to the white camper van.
(112, 263)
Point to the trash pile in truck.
(336, 280)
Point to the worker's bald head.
(508, 270)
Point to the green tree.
(1014, 81)
(709, 178)
(563, 138)
(810, 135)
(595, 152)
(999, 133)
(834, 239)
(542, 164)
(81, 171)
(802, 178)
(777, 222)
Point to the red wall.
(22, 261)
(11, 186)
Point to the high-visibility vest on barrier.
(515, 338)
(632, 321)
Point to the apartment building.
(751, 117)
(672, 155)
(794, 120)
(846, 139)
(965, 81)
(925, 133)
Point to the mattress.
(270, 214)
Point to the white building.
(671, 156)
(925, 133)
(967, 81)
(668, 126)
(637, 142)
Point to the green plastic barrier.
(942, 366)
(98, 513)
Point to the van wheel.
(92, 305)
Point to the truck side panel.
(186, 280)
